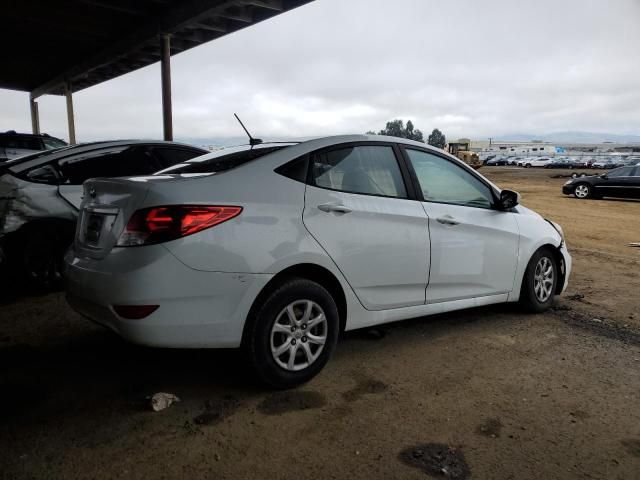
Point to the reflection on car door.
(474, 248)
(357, 209)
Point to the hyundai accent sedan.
(279, 247)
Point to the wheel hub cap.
(298, 335)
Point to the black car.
(561, 163)
(621, 182)
(500, 161)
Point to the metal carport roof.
(56, 47)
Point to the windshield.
(224, 159)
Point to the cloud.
(472, 69)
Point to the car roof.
(13, 133)
(23, 163)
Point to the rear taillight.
(161, 224)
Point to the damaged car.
(280, 247)
(40, 195)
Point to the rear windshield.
(224, 159)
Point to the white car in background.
(280, 247)
(537, 162)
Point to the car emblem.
(92, 192)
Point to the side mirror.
(508, 199)
(604, 175)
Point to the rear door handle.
(334, 207)
(447, 220)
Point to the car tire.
(273, 330)
(43, 251)
(528, 165)
(583, 190)
(539, 282)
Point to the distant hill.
(572, 137)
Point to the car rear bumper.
(197, 309)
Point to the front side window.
(365, 169)
(443, 181)
(620, 172)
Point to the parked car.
(563, 162)
(40, 195)
(499, 161)
(280, 247)
(605, 163)
(15, 145)
(621, 182)
(513, 160)
(537, 162)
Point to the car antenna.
(252, 141)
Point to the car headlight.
(568, 182)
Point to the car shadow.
(92, 372)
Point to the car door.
(118, 161)
(358, 207)
(615, 183)
(474, 247)
(634, 183)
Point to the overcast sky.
(471, 68)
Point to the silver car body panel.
(207, 282)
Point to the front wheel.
(539, 282)
(583, 190)
(293, 334)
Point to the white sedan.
(279, 247)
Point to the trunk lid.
(106, 207)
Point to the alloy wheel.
(582, 191)
(298, 335)
(543, 279)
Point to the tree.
(437, 139)
(396, 128)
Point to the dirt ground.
(485, 394)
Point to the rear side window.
(365, 169)
(20, 142)
(108, 163)
(168, 157)
(224, 159)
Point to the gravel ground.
(486, 393)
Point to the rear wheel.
(293, 334)
(43, 257)
(539, 282)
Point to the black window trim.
(404, 172)
(455, 161)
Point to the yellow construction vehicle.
(461, 150)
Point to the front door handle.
(334, 207)
(447, 220)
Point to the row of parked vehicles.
(605, 162)
(273, 247)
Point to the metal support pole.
(35, 116)
(70, 119)
(165, 67)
